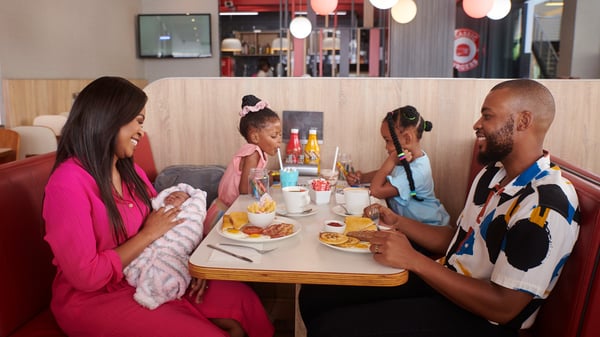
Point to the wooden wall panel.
(26, 99)
(194, 120)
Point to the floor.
(278, 300)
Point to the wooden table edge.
(279, 276)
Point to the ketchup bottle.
(293, 151)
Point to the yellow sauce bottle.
(312, 152)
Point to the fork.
(260, 251)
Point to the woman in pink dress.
(98, 214)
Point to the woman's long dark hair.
(90, 133)
(406, 116)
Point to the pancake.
(332, 238)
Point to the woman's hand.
(160, 221)
(197, 287)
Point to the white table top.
(298, 259)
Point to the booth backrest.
(569, 310)
(145, 159)
(573, 307)
(25, 258)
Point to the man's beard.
(498, 145)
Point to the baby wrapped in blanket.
(160, 273)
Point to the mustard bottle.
(312, 152)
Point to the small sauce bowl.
(334, 226)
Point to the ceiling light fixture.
(500, 9)
(238, 13)
(300, 27)
(323, 7)
(280, 43)
(383, 4)
(404, 11)
(231, 44)
(477, 8)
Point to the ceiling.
(273, 5)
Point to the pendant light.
(300, 27)
(500, 9)
(231, 44)
(383, 4)
(477, 8)
(280, 43)
(323, 7)
(404, 11)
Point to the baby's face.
(176, 198)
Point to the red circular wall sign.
(466, 49)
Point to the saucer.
(308, 210)
(339, 210)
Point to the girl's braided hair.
(406, 116)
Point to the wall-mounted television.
(173, 35)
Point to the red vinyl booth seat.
(25, 258)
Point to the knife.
(229, 253)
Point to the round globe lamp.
(477, 8)
(404, 11)
(383, 4)
(323, 7)
(500, 9)
(300, 27)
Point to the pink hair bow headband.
(259, 106)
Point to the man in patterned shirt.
(503, 257)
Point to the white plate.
(278, 219)
(282, 211)
(347, 250)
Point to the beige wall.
(68, 39)
(88, 39)
(194, 120)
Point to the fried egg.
(234, 233)
(257, 237)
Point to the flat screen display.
(174, 35)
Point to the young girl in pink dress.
(261, 127)
(99, 217)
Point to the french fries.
(265, 205)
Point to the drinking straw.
(337, 149)
(342, 169)
(279, 156)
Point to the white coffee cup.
(356, 199)
(296, 198)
